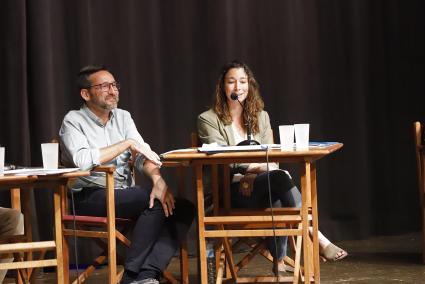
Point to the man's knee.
(13, 222)
(17, 223)
(185, 209)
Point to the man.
(11, 223)
(99, 133)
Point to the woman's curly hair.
(253, 103)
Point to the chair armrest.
(104, 169)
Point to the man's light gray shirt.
(83, 134)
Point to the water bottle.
(211, 270)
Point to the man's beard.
(109, 107)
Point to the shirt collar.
(94, 117)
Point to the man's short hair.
(83, 81)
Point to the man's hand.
(160, 192)
(137, 148)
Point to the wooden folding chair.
(420, 164)
(25, 253)
(97, 228)
(225, 265)
(103, 229)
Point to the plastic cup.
(2, 149)
(302, 136)
(50, 152)
(286, 134)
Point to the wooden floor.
(394, 259)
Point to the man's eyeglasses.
(104, 87)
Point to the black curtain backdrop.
(353, 69)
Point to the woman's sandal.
(332, 253)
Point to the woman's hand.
(246, 184)
(160, 191)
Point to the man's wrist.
(129, 143)
(156, 178)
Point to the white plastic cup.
(286, 135)
(2, 161)
(50, 152)
(302, 136)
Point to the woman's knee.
(281, 179)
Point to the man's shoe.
(128, 278)
(147, 281)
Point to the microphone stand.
(249, 140)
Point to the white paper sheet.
(39, 171)
(215, 148)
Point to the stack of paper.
(215, 148)
(39, 171)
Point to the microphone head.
(233, 96)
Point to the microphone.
(234, 97)
(249, 140)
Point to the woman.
(225, 123)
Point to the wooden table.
(306, 159)
(57, 183)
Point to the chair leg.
(170, 278)
(21, 274)
(259, 247)
(229, 256)
(184, 263)
(89, 270)
(65, 251)
(184, 267)
(423, 231)
(298, 270)
(32, 271)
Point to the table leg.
(315, 220)
(27, 211)
(15, 202)
(306, 200)
(65, 247)
(201, 225)
(184, 262)
(58, 233)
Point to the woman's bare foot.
(332, 253)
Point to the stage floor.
(389, 259)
